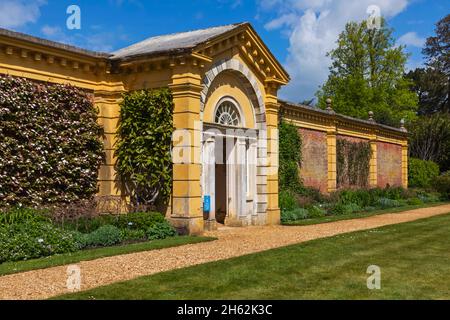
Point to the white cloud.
(96, 40)
(51, 31)
(411, 39)
(17, 13)
(313, 27)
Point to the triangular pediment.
(252, 50)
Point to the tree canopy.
(367, 74)
(432, 83)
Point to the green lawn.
(359, 215)
(414, 259)
(85, 255)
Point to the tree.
(432, 84)
(430, 139)
(367, 74)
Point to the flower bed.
(309, 205)
(28, 234)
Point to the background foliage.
(430, 134)
(353, 163)
(144, 145)
(430, 139)
(50, 147)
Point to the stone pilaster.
(405, 165)
(332, 167)
(187, 212)
(373, 171)
(272, 110)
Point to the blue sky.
(299, 32)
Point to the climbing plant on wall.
(353, 163)
(290, 149)
(50, 146)
(144, 161)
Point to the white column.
(251, 167)
(241, 171)
(209, 169)
(232, 192)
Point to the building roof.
(52, 44)
(160, 45)
(173, 43)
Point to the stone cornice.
(325, 120)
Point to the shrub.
(395, 193)
(442, 184)
(361, 197)
(22, 215)
(104, 236)
(138, 220)
(50, 149)
(287, 200)
(144, 160)
(316, 212)
(422, 173)
(131, 221)
(32, 239)
(161, 230)
(313, 194)
(386, 203)
(340, 209)
(415, 201)
(81, 239)
(427, 197)
(133, 235)
(290, 148)
(294, 215)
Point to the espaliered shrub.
(50, 146)
(422, 173)
(353, 163)
(290, 149)
(144, 145)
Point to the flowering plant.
(50, 146)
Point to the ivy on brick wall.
(353, 163)
(144, 161)
(290, 149)
(50, 146)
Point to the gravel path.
(41, 284)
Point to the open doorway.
(223, 149)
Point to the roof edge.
(343, 117)
(53, 44)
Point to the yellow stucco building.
(225, 84)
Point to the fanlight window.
(227, 114)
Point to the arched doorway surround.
(234, 150)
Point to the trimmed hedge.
(422, 173)
(50, 149)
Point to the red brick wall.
(389, 164)
(314, 171)
(353, 140)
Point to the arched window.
(228, 114)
